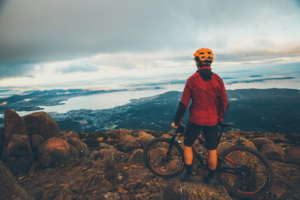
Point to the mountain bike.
(244, 171)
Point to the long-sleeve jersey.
(209, 99)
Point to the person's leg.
(192, 130)
(211, 139)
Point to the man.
(209, 104)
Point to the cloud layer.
(142, 34)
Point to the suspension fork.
(170, 146)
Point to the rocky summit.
(41, 164)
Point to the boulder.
(293, 154)
(229, 143)
(9, 189)
(41, 123)
(273, 152)
(137, 157)
(19, 154)
(81, 147)
(1, 142)
(259, 142)
(230, 135)
(56, 151)
(94, 155)
(128, 143)
(105, 146)
(14, 124)
(121, 133)
(36, 140)
(105, 153)
(145, 139)
(69, 134)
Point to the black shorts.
(210, 133)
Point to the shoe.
(186, 177)
(207, 179)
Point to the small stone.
(138, 195)
(122, 191)
(155, 179)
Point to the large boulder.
(19, 154)
(259, 142)
(9, 189)
(273, 152)
(41, 123)
(81, 147)
(293, 154)
(105, 153)
(14, 124)
(1, 142)
(56, 151)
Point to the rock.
(137, 157)
(41, 123)
(166, 136)
(230, 135)
(114, 170)
(259, 142)
(122, 191)
(110, 196)
(100, 139)
(19, 154)
(69, 134)
(81, 147)
(229, 143)
(94, 155)
(131, 186)
(129, 143)
(192, 191)
(273, 152)
(145, 139)
(121, 133)
(9, 189)
(37, 193)
(293, 154)
(36, 140)
(56, 151)
(105, 153)
(105, 146)
(14, 124)
(1, 142)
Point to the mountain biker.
(208, 107)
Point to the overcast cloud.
(104, 34)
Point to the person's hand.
(173, 125)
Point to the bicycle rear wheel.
(245, 172)
(158, 163)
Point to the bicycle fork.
(166, 157)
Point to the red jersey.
(209, 98)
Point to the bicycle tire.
(158, 154)
(257, 178)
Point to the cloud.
(17, 69)
(78, 67)
(144, 34)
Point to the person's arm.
(183, 105)
(222, 103)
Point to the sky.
(63, 42)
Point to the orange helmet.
(204, 55)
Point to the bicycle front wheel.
(161, 164)
(245, 172)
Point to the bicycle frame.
(195, 152)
